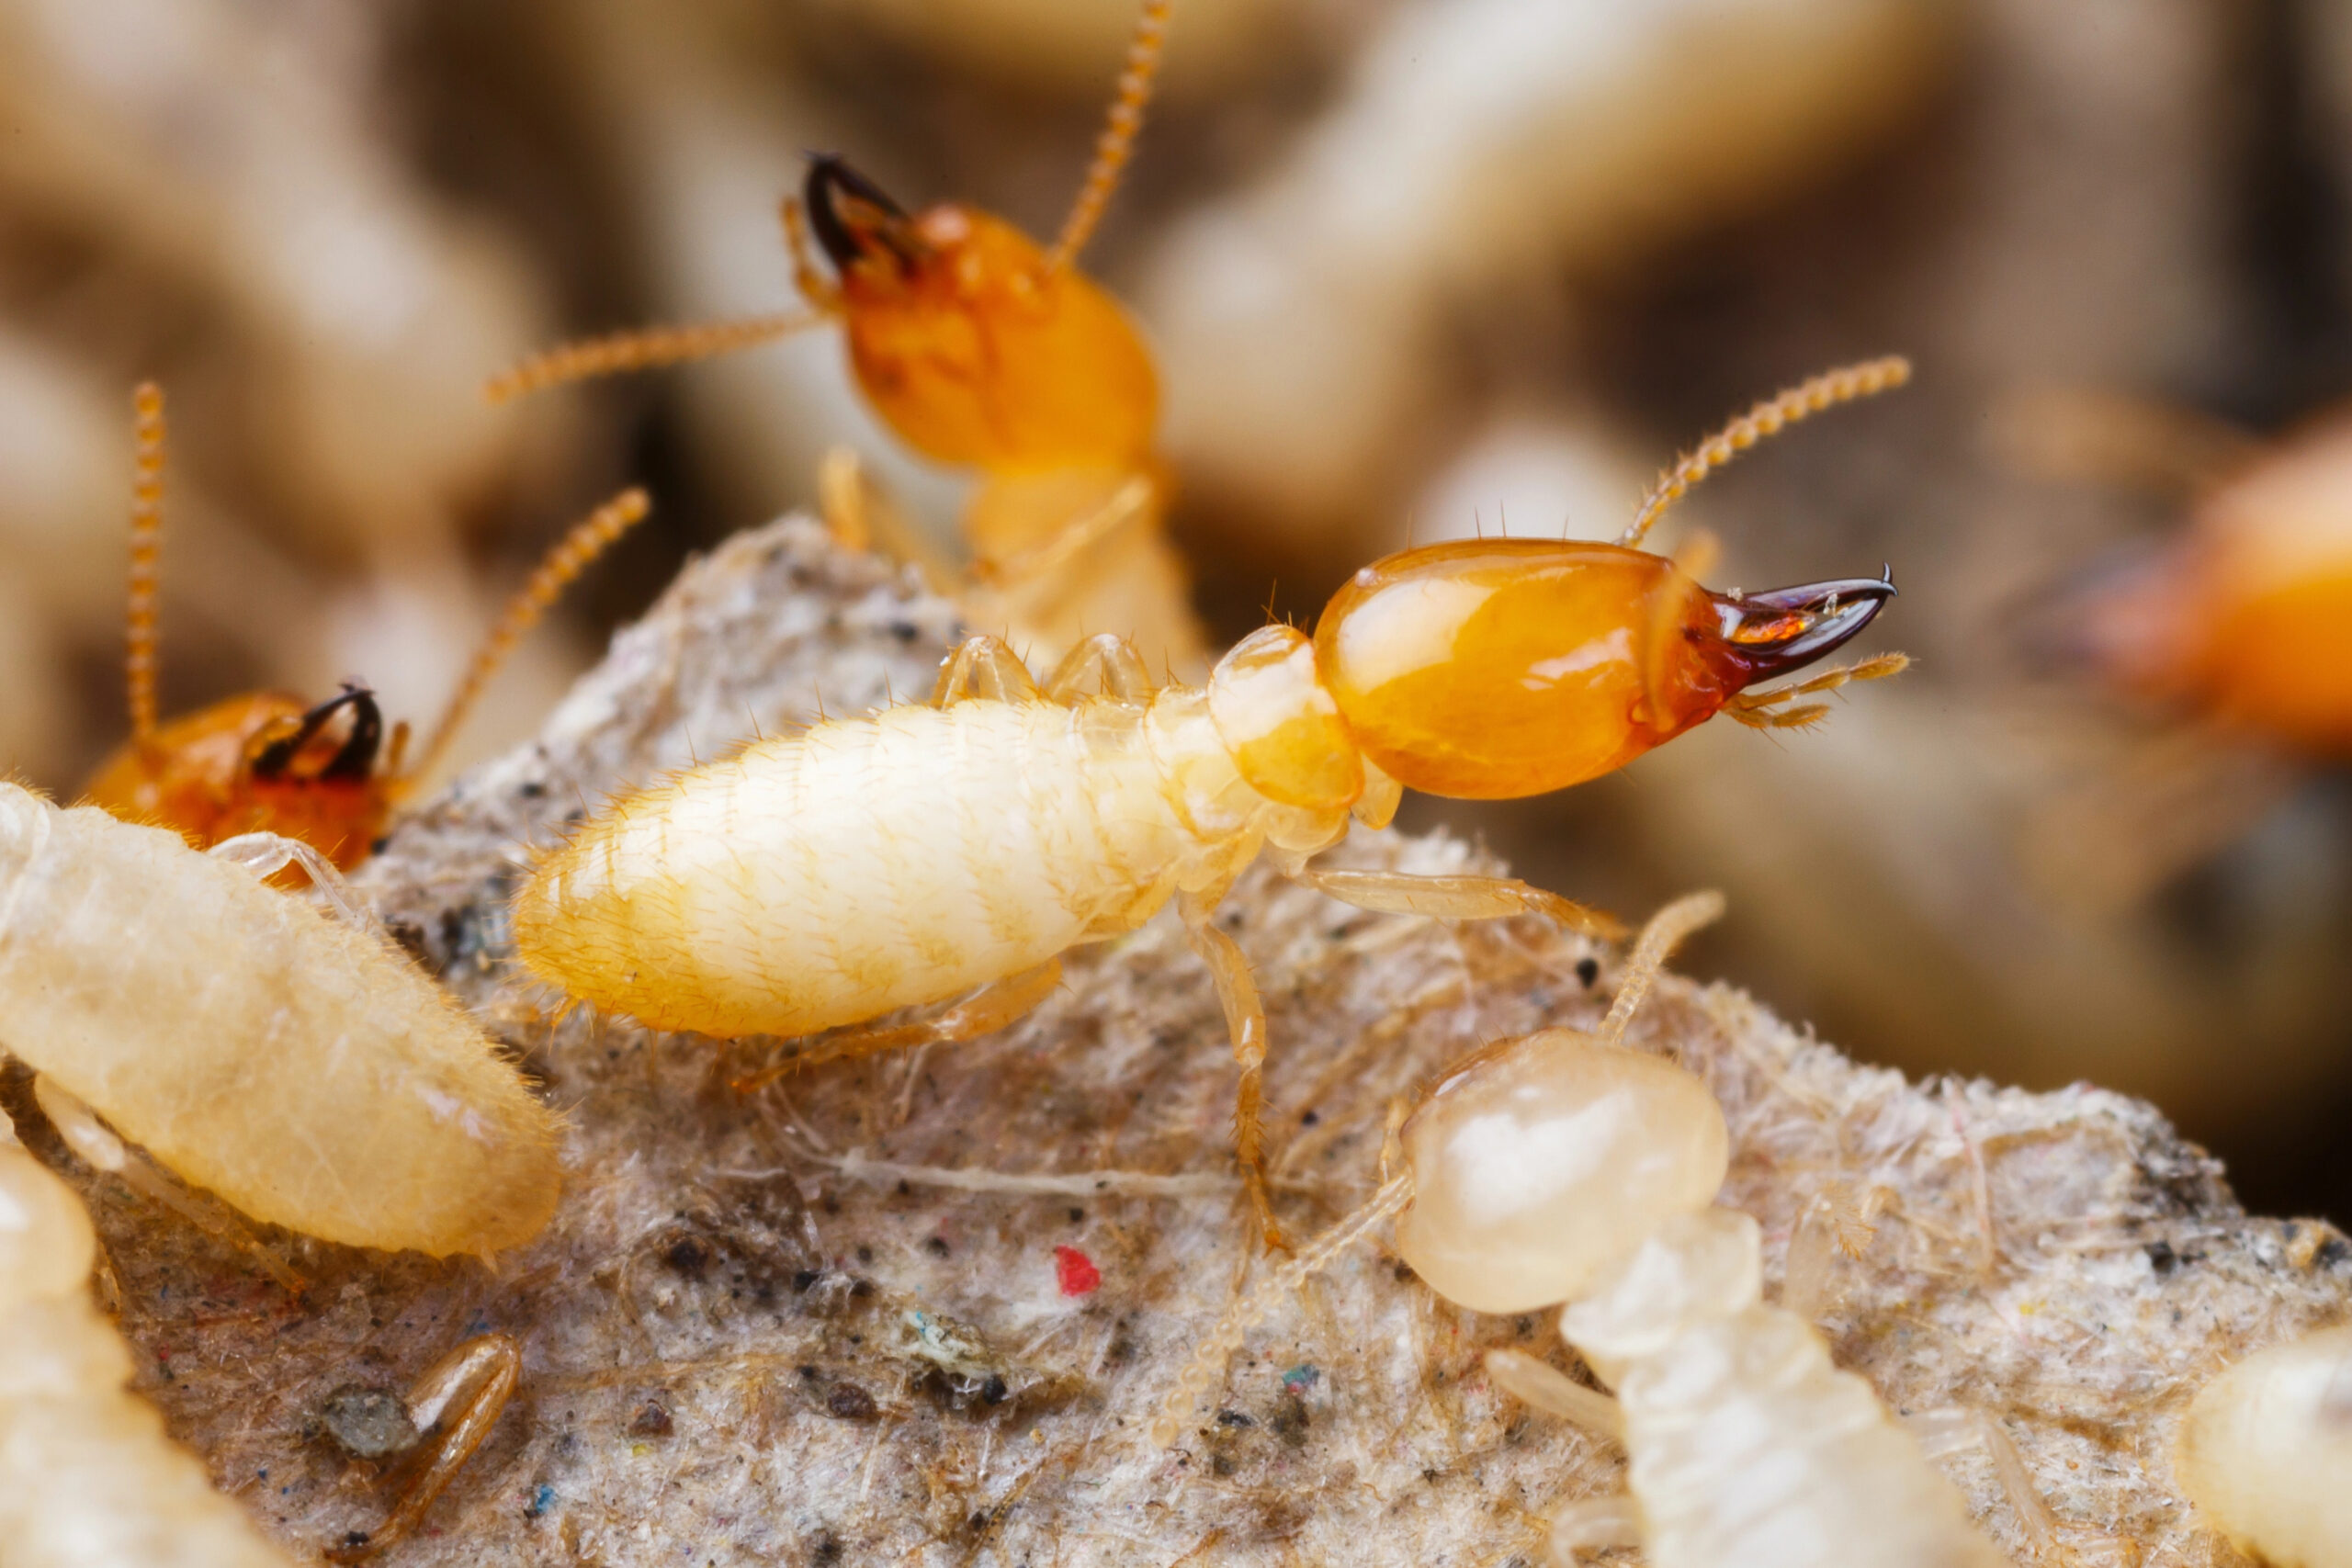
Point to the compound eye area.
(1282, 728)
(1494, 669)
(1548, 1158)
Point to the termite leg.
(983, 1011)
(1131, 502)
(984, 667)
(1450, 897)
(861, 517)
(1110, 662)
(490, 1366)
(1953, 1430)
(99, 1146)
(267, 854)
(1244, 1020)
(1832, 1230)
(1553, 1391)
(1594, 1524)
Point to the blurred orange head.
(970, 345)
(265, 762)
(1498, 668)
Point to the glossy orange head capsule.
(973, 342)
(269, 762)
(1492, 669)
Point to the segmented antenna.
(1117, 142)
(1665, 932)
(571, 555)
(1770, 417)
(619, 353)
(146, 550)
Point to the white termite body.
(290, 1063)
(87, 1478)
(2265, 1452)
(906, 857)
(1563, 1167)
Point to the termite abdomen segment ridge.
(1543, 1163)
(1494, 669)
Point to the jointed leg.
(1130, 502)
(1523, 1377)
(490, 1366)
(1244, 1020)
(1450, 897)
(861, 515)
(1953, 1430)
(983, 1011)
(1594, 1524)
(1110, 661)
(984, 667)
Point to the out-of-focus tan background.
(1425, 265)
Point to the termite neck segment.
(852, 218)
(1693, 1270)
(1770, 634)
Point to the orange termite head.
(1494, 669)
(971, 343)
(263, 762)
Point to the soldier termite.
(90, 1476)
(1563, 1167)
(269, 762)
(983, 349)
(2266, 1447)
(824, 879)
(289, 1062)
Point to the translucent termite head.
(1500, 668)
(1280, 723)
(1694, 1268)
(1545, 1160)
(2264, 1448)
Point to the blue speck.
(541, 1501)
(1301, 1377)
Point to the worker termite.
(982, 349)
(90, 1478)
(820, 880)
(269, 762)
(291, 1064)
(2266, 1447)
(1563, 1167)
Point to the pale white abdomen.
(287, 1062)
(1750, 1449)
(863, 866)
(2265, 1452)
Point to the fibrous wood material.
(922, 1308)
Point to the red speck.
(1075, 1272)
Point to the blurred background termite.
(271, 762)
(982, 350)
(1424, 265)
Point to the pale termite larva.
(822, 879)
(287, 1062)
(87, 1478)
(2266, 1450)
(1563, 1167)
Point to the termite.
(2266, 1447)
(983, 349)
(461, 1396)
(1563, 1167)
(957, 848)
(289, 1061)
(269, 762)
(90, 1476)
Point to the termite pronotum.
(287, 1061)
(985, 350)
(2266, 1447)
(826, 878)
(90, 1478)
(1562, 1167)
(268, 762)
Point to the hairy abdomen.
(863, 865)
